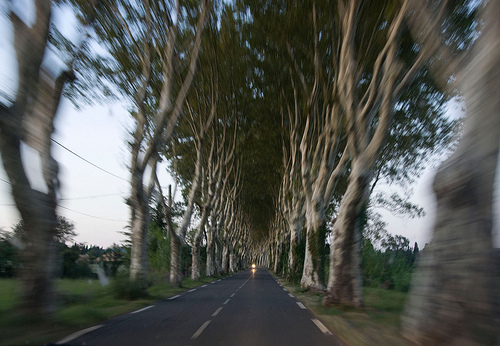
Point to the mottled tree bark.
(454, 296)
(30, 120)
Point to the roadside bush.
(123, 288)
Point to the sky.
(95, 200)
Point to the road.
(248, 308)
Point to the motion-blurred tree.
(28, 120)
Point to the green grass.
(376, 324)
(80, 304)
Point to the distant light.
(253, 266)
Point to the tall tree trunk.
(454, 295)
(210, 269)
(232, 260)
(139, 253)
(225, 259)
(313, 272)
(195, 258)
(30, 119)
(175, 260)
(295, 230)
(344, 283)
(218, 255)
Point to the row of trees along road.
(278, 119)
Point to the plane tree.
(145, 52)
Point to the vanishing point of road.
(248, 308)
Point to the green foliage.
(295, 275)
(123, 288)
(390, 267)
(9, 260)
(318, 249)
(159, 242)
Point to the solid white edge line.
(203, 286)
(174, 297)
(200, 330)
(302, 306)
(321, 326)
(78, 334)
(141, 310)
(227, 301)
(217, 312)
(194, 289)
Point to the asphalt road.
(248, 308)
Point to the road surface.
(248, 308)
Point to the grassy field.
(376, 324)
(80, 304)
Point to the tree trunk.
(139, 254)
(295, 228)
(175, 261)
(195, 258)
(232, 260)
(210, 271)
(314, 261)
(225, 259)
(344, 283)
(218, 255)
(454, 293)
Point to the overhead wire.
(87, 161)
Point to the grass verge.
(80, 304)
(376, 324)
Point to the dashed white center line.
(291, 295)
(301, 305)
(321, 327)
(200, 330)
(217, 312)
(232, 295)
(227, 301)
(194, 289)
(141, 310)
(203, 286)
(174, 297)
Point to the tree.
(151, 55)
(64, 231)
(29, 120)
(454, 295)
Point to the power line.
(90, 197)
(90, 163)
(5, 181)
(93, 216)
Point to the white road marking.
(232, 295)
(194, 289)
(141, 310)
(321, 327)
(199, 331)
(217, 312)
(291, 295)
(284, 289)
(78, 334)
(227, 301)
(203, 286)
(174, 297)
(302, 306)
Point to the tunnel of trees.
(278, 120)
